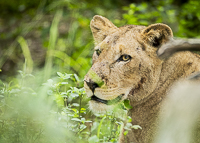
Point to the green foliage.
(145, 13)
(189, 18)
(182, 19)
(51, 106)
(58, 28)
(127, 104)
(27, 54)
(27, 115)
(54, 111)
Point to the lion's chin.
(102, 106)
(99, 108)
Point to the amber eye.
(98, 52)
(124, 58)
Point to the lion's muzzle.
(108, 102)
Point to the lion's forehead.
(125, 38)
(126, 34)
(119, 43)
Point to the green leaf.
(87, 133)
(83, 120)
(100, 124)
(125, 133)
(88, 121)
(60, 74)
(75, 110)
(74, 95)
(64, 83)
(59, 99)
(94, 126)
(76, 77)
(64, 94)
(76, 119)
(64, 76)
(75, 104)
(127, 104)
(82, 90)
(136, 127)
(15, 90)
(129, 119)
(119, 123)
(82, 127)
(67, 76)
(49, 82)
(83, 109)
(128, 126)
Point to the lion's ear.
(157, 34)
(101, 27)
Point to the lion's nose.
(92, 85)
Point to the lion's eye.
(124, 58)
(98, 52)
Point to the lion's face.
(125, 65)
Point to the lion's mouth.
(108, 102)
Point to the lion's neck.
(145, 115)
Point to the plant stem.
(80, 106)
(99, 128)
(52, 43)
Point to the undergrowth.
(54, 111)
(50, 106)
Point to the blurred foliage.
(184, 20)
(54, 111)
(44, 37)
(68, 40)
(58, 36)
(28, 113)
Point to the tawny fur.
(179, 120)
(144, 79)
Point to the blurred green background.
(55, 34)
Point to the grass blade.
(52, 43)
(27, 55)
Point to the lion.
(126, 66)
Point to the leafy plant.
(53, 111)
(182, 19)
(42, 106)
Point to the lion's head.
(125, 65)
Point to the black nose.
(92, 85)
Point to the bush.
(54, 111)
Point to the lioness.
(125, 66)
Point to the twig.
(178, 45)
